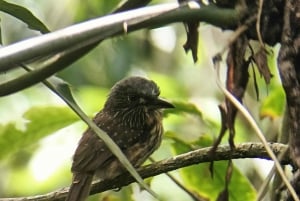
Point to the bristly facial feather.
(131, 103)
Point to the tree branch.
(244, 150)
(92, 31)
(61, 60)
(89, 33)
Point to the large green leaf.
(91, 98)
(40, 122)
(273, 105)
(198, 177)
(169, 86)
(185, 107)
(24, 15)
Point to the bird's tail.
(80, 187)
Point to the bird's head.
(135, 92)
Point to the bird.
(132, 117)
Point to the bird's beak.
(160, 103)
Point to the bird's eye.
(133, 98)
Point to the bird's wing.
(92, 153)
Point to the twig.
(180, 185)
(254, 125)
(223, 152)
(259, 13)
(261, 193)
(241, 29)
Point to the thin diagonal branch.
(223, 152)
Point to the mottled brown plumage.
(132, 118)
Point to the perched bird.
(132, 117)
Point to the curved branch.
(60, 60)
(95, 30)
(52, 66)
(79, 39)
(244, 150)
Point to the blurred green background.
(39, 133)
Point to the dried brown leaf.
(260, 58)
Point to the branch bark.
(95, 30)
(81, 38)
(223, 152)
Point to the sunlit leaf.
(198, 177)
(183, 106)
(24, 15)
(273, 105)
(23, 175)
(169, 86)
(93, 8)
(91, 98)
(39, 122)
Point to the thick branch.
(79, 39)
(60, 60)
(244, 150)
(95, 30)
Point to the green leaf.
(91, 98)
(28, 185)
(40, 122)
(184, 107)
(169, 86)
(198, 177)
(24, 15)
(273, 105)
